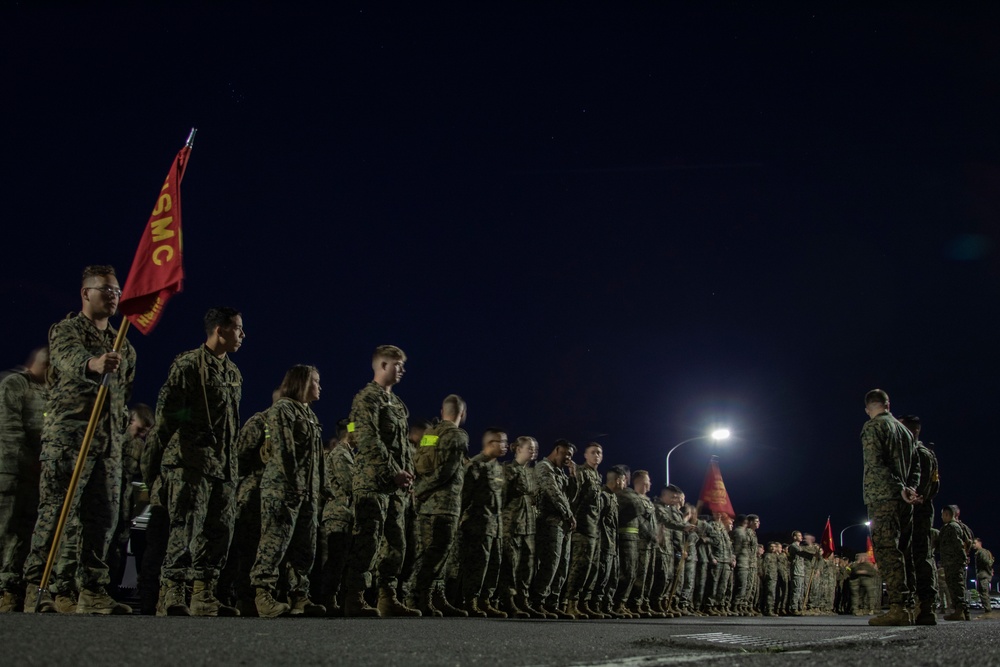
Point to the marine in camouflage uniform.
(769, 580)
(555, 524)
(688, 602)
(292, 489)
(587, 504)
(338, 517)
(723, 563)
(383, 472)
(741, 575)
(670, 525)
(754, 555)
(140, 422)
(197, 422)
(954, 540)
(601, 596)
(80, 354)
(437, 490)
(518, 518)
(635, 518)
(891, 475)
(862, 578)
(921, 569)
(480, 530)
(984, 575)
(22, 407)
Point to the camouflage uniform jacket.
(984, 561)
(669, 524)
(441, 469)
(198, 415)
(295, 458)
(22, 409)
(740, 541)
(338, 510)
(519, 512)
(889, 459)
(769, 566)
(858, 570)
(380, 429)
(252, 444)
(801, 556)
(635, 517)
(928, 465)
(953, 541)
(72, 390)
(482, 496)
(585, 489)
(553, 501)
(609, 521)
(719, 543)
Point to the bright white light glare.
(720, 434)
(868, 523)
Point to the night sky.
(627, 222)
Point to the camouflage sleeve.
(67, 352)
(13, 441)
(452, 448)
(549, 488)
(171, 410)
(282, 461)
(882, 474)
(249, 443)
(365, 415)
(340, 473)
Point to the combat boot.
(471, 607)
(66, 604)
(175, 599)
(426, 607)
(11, 601)
(486, 605)
(592, 611)
(524, 604)
(45, 605)
(573, 610)
(98, 601)
(303, 606)
(509, 607)
(650, 612)
(441, 603)
(390, 606)
(355, 606)
(204, 602)
(622, 611)
(607, 609)
(925, 614)
(268, 607)
(896, 615)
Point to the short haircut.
(753, 517)
(453, 405)
(143, 412)
(611, 473)
(794, 532)
(740, 518)
(622, 470)
(387, 352)
(342, 427)
(219, 316)
(876, 396)
(673, 488)
(911, 420)
(640, 473)
(950, 509)
(296, 381)
(494, 431)
(564, 443)
(96, 271)
(420, 422)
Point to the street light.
(717, 435)
(866, 523)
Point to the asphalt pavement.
(826, 640)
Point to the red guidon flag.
(157, 271)
(713, 491)
(827, 543)
(871, 550)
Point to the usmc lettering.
(160, 227)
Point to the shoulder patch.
(429, 441)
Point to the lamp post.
(866, 523)
(717, 435)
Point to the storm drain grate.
(741, 640)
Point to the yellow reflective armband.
(350, 427)
(429, 441)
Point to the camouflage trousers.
(892, 523)
(18, 513)
(921, 569)
(379, 539)
(606, 574)
(551, 548)
(741, 585)
(643, 583)
(796, 591)
(246, 539)
(628, 565)
(983, 579)
(517, 565)
(686, 590)
(202, 511)
(721, 578)
(663, 574)
(288, 530)
(91, 526)
(336, 541)
(480, 557)
(863, 598)
(435, 536)
(955, 569)
(582, 565)
(769, 595)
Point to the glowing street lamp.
(855, 525)
(717, 435)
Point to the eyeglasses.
(108, 291)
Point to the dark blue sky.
(625, 222)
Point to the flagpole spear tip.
(190, 140)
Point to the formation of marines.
(392, 518)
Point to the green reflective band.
(429, 441)
(350, 427)
(629, 531)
